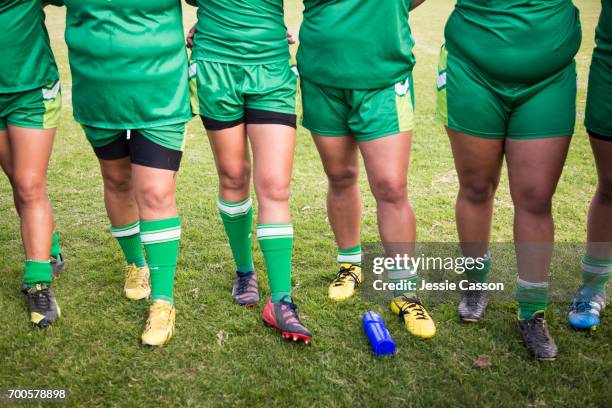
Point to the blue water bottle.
(380, 339)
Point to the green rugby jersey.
(356, 44)
(128, 62)
(603, 34)
(240, 31)
(515, 40)
(26, 59)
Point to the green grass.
(222, 355)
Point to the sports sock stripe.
(235, 209)
(126, 230)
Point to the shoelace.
(344, 273)
(131, 276)
(472, 297)
(582, 306)
(41, 299)
(159, 315)
(243, 282)
(414, 306)
(292, 306)
(536, 330)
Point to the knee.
(478, 193)
(604, 191)
(118, 182)
(390, 190)
(536, 201)
(235, 177)
(273, 189)
(340, 179)
(29, 189)
(155, 197)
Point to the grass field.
(222, 355)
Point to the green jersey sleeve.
(356, 44)
(128, 62)
(241, 32)
(26, 59)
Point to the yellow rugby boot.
(347, 279)
(415, 317)
(137, 282)
(160, 325)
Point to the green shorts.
(470, 102)
(229, 94)
(598, 116)
(364, 114)
(168, 136)
(35, 109)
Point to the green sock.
(350, 255)
(596, 272)
(276, 243)
(238, 220)
(161, 242)
(532, 297)
(129, 240)
(405, 280)
(474, 274)
(37, 272)
(55, 246)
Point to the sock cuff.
(234, 209)
(269, 231)
(349, 255)
(531, 285)
(596, 265)
(158, 231)
(397, 274)
(126, 230)
(37, 272)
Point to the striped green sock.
(596, 272)
(350, 255)
(276, 243)
(161, 242)
(405, 280)
(532, 297)
(37, 272)
(238, 220)
(128, 237)
(474, 274)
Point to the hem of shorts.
(475, 133)
(27, 88)
(267, 109)
(324, 133)
(222, 119)
(541, 135)
(380, 135)
(29, 126)
(131, 126)
(337, 85)
(250, 63)
(605, 133)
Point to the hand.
(189, 38)
(290, 38)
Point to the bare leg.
(534, 169)
(31, 151)
(386, 162)
(118, 193)
(478, 163)
(599, 227)
(341, 164)
(231, 153)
